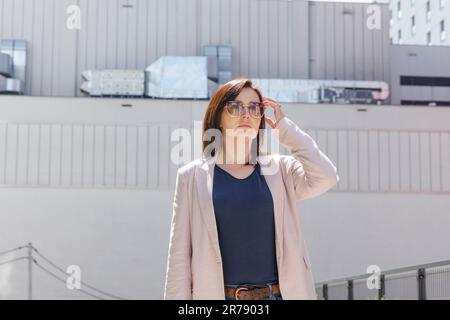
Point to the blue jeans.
(270, 297)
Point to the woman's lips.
(245, 125)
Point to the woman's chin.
(245, 132)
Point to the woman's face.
(245, 124)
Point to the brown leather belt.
(251, 293)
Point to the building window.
(442, 30)
(399, 9)
(441, 4)
(428, 12)
(429, 38)
(425, 103)
(425, 81)
(413, 2)
(413, 25)
(399, 36)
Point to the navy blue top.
(246, 227)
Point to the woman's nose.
(246, 113)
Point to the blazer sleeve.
(312, 171)
(178, 273)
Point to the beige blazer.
(194, 264)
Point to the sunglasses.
(237, 108)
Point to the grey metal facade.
(342, 47)
(417, 60)
(276, 39)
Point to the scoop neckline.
(240, 179)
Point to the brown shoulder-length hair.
(227, 92)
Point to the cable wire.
(12, 260)
(12, 250)
(83, 283)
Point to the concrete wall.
(391, 207)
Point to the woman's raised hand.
(269, 102)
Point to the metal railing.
(421, 282)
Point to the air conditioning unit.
(114, 82)
(13, 57)
(6, 65)
(324, 91)
(181, 77)
(10, 86)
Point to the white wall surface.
(391, 207)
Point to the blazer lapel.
(272, 173)
(204, 185)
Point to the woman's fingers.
(275, 106)
(269, 99)
(269, 102)
(270, 122)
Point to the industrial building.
(420, 22)
(93, 90)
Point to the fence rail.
(421, 282)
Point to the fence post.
(382, 290)
(325, 291)
(350, 290)
(421, 281)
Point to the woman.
(235, 231)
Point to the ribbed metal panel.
(343, 47)
(100, 143)
(268, 38)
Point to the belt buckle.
(236, 293)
